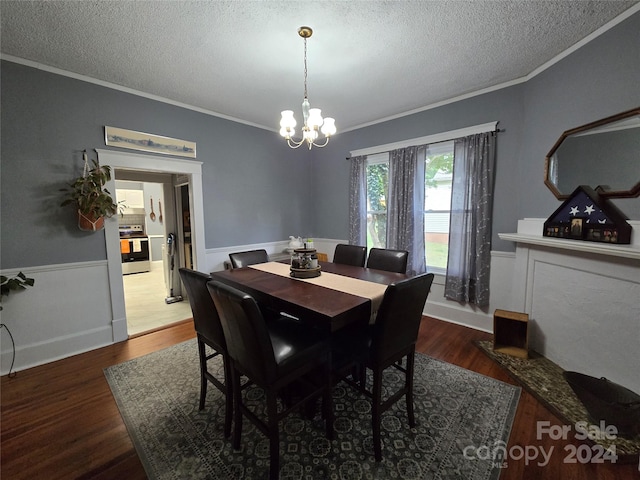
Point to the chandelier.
(313, 121)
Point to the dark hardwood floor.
(60, 421)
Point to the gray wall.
(598, 80)
(258, 190)
(503, 105)
(252, 181)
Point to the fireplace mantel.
(530, 232)
(582, 301)
(627, 251)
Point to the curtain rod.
(435, 138)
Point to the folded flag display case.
(585, 215)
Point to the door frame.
(149, 163)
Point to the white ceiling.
(367, 60)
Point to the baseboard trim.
(476, 320)
(36, 354)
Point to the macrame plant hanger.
(85, 223)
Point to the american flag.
(581, 205)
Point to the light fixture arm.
(295, 144)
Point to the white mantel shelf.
(599, 248)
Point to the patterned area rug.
(457, 412)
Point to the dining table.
(341, 295)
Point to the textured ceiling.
(367, 60)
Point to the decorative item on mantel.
(585, 215)
(304, 263)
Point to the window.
(437, 202)
(438, 177)
(437, 153)
(377, 194)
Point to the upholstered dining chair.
(387, 259)
(208, 332)
(272, 355)
(350, 255)
(391, 338)
(250, 257)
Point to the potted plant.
(7, 284)
(88, 195)
(17, 282)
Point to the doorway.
(148, 204)
(169, 172)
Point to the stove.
(134, 249)
(131, 231)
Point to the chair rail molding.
(79, 321)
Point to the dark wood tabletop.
(325, 308)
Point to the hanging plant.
(87, 193)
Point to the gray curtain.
(470, 225)
(358, 201)
(405, 207)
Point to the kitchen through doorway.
(152, 209)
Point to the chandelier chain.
(305, 68)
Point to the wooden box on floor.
(511, 333)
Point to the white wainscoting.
(583, 303)
(67, 311)
(439, 307)
(217, 256)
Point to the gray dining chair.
(387, 259)
(350, 255)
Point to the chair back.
(248, 341)
(250, 257)
(389, 260)
(399, 315)
(350, 255)
(205, 316)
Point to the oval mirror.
(604, 155)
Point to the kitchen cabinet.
(130, 198)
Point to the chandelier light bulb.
(287, 132)
(315, 119)
(287, 120)
(328, 127)
(287, 124)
